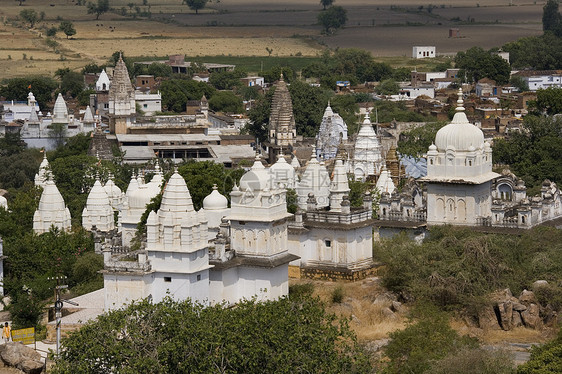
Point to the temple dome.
(459, 134)
(51, 199)
(215, 201)
(97, 198)
(257, 179)
(3, 202)
(60, 111)
(283, 174)
(176, 196)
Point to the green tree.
(308, 107)
(540, 53)
(18, 89)
(160, 70)
(551, 18)
(326, 3)
(478, 63)
(430, 338)
(72, 83)
(284, 336)
(549, 100)
(388, 87)
(227, 80)
(195, 5)
(19, 167)
(533, 154)
(68, 28)
(519, 82)
(415, 142)
(30, 16)
(176, 92)
(259, 116)
(332, 19)
(200, 176)
(226, 101)
(99, 8)
(51, 31)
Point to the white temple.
(282, 173)
(332, 132)
(138, 195)
(3, 202)
(248, 258)
(385, 183)
(60, 111)
(41, 176)
(113, 193)
(367, 157)
(103, 83)
(315, 180)
(459, 173)
(98, 211)
(52, 210)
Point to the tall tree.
(326, 3)
(196, 5)
(551, 19)
(30, 16)
(332, 19)
(478, 63)
(101, 7)
(286, 336)
(68, 28)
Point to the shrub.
(474, 361)
(337, 295)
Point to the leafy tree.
(346, 107)
(539, 53)
(18, 168)
(160, 70)
(413, 349)
(388, 87)
(200, 176)
(545, 359)
(284, 336)
(308, 107)
(551, 18)
(99, 8)
(478, 63)
(84, 97)
(196, 5)
(30, 16)
(272, 75)
(51, 31)
(226, 101)
(11, 144)
(176, 92)
(549, 100)
(92, 68)
(259, 116)
(68, 28)
(227, 80)
(519, 82)
(533, 155)
(18, 89)
(72, 83)
(326, 3)
(332, 19)
(415, 142)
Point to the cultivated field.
(247, 28)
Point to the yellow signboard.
(26, 336)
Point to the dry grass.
(369, 323)
(248, 27)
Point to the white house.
(423, 52)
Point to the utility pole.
(59, 305)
